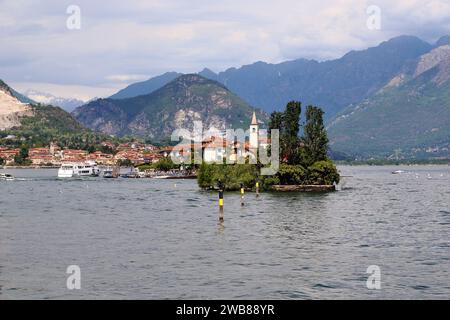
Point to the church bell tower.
(254, 132)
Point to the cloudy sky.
(120, 42)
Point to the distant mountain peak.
(145, 87)
(194, 78)
(191, 80)
(191, 77)
(208, 73)
(445, 40)
(68, 104)
(404, 38)
(176, 105)
(207, 70)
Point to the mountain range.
(68, 104)
(408, 118)
(176, 105)
(333, 84)
(388, 101)
(370, 97)
(20, 115)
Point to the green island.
(303, 158)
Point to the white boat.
(160, 177)
(85, 169)
(6, 177)
(142, 175)
(110, 172)
(398, 172)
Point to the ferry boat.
(6, 177)
(86, 169)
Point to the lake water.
(158, 239)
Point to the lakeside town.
(213, 148)
(134, 153)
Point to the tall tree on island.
(313, 146)
(288, 124)
(276, 120)
(315, 139)
(290, 141)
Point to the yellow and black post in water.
(242, 194)
(257, 188)
(221, 188)
(220, 205)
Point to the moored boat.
(161, 177)
(110, 172)
(6, 177)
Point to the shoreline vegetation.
(320, 174)
(304, 160)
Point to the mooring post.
(220, 205)
(257, 188)
(221, 188)
(242, 194)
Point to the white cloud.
(79, 92)
(126, 77)
(126, 41)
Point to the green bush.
(320, 173)
(268, 181)
(165, 164)
(205, 176)
(292, 174)
(230, 175)
(21, 158)
(240, 173)
(323, 172)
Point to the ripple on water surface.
(150, 239)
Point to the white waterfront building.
(216, 145)
(215, 150)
